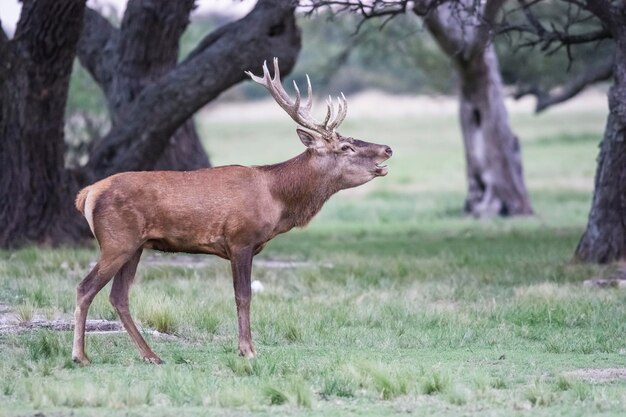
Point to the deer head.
(350, 162)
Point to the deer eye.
(346, 148)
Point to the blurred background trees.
(131, 100)
(343, 52)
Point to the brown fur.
(230, 211)
(80, 200)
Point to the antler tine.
(297, 103)
(329, 112)
(309, 94)
(276, 89)
(260, 80)
(341, 113)
(298, 111)
(292, 108)
(276, 70)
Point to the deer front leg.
(241, 264)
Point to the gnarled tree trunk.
(148, 122)
(604, 239)
(492, 152)
(123, 61)
(36, 192)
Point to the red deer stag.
(229, 211)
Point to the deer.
(228, 211)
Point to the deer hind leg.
(99, 276)
(119, 299)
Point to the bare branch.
(555, 36)
(545, 99)
(366, 9)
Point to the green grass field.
(389, 303)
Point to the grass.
(401, 305)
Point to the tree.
(35, 188)
(604, 239)
(123, 61)
(37, 191)
(463, 30)
(564, 31)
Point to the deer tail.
(80, 199)
(85, 204)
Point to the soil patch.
(598, 374)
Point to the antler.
(299, 112)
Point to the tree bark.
(492, 152)
(604, 239)
(219, 61)
(494, 164)
(36, 192)
(124, 61)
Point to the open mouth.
(381, 170)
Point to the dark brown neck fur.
(302, 189)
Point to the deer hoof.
(81, 360)
(153, 359)
(247, 352)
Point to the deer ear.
(309, 139)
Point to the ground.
(390, 302)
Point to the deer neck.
(302, 186)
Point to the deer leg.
(241, 264)
(119, 299)
(99, 276)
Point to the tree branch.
(96, 48)
(545, 99)
(161, 107)
(367, 9)
(487, 18)
(152, 51)
(450, 32)
(553, 39)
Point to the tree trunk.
(604, 239)
(124, 61)
(184, 151)
(218, 62)
(36, 193)
(492, 151)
